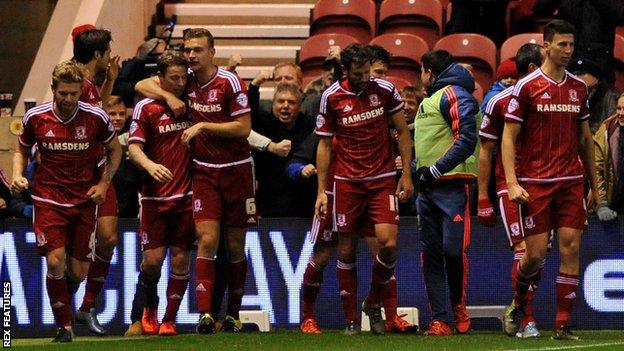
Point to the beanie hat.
(585, 66)
(507, 69)
(80, 29)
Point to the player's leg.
(220, 283)
(452, 200)
(149, 276)
(176, 287)
(567, 279)
(58, 293)
(237, 274)
(346, 272)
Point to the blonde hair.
(297, 69)
(67, 72)
(114, 100)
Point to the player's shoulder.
(91, 111)
(498, 100)
(527, 80)
(146, 107)
(37, 111)
(382, 84)
(231, 78)
(575, 80)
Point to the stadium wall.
(278, 252)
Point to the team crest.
(513, 105)
(327, 235)
(374, 100)
(320, 121)
(241, 99)
(41, 239)
(144, 239)
(341, 220)
(81, 132)
(528, 222)
(573, 96)
(197, 206)
(515, 229)
(212, 95)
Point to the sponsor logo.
(320, 121)
(558, 108)
(205, 108)
(374, 100)
(571, 296)
(164, 117)
(192, 94)
(172, 127)
(65, 146)
(573, 96)
(458, 218)
(344, 293)
(363, 116)
(200, 287)
(251, 220)
(347, 109)
(57, 304)
(81, 132)
(241, 99)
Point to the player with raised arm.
(548, 115)
(67, 188)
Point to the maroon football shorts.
(225, 194)
(109, 207)
(167, 223)
(510, 213)
(554, 205)
(357, 201)
(57, 226)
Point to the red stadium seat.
(511, 45)
(474, 49)
(352, 17)
(406, 50)
(618, 54)
(422, 18)
(399, 82)
(315, 49)
(619, 30)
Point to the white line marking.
(570, 347)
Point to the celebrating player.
(548, 115)
(67, 190)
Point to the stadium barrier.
(278, 252)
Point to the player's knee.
(206, 242)
(107, 241)
(151, 264)
(56, 263)
(321, 258)
(388, 254)
(569, 247)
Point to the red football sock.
(522, 285)
(347, 283)
(176, 288)
(237, 274)
(98, 270)
(312, 280)
(382, 272)
(566, 295)
(514, 268)
(59, 300)
(204, 281)
(389, 300)
(528, 310)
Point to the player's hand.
(320, 208)
(281, 149)
(160, 173)
(262, 77)
(234, 61)
(18, 184)
(592, 200)
(176, 105)
(517, 193)
(606, 214)
(308, 170)
(405, 188)
(191, 133)
(3, 203)
(334, 52)
(485, 213)
(112, 70)
(97, 193)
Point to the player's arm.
(586, 151)
(150, 87)
(485, 167)
(238, 128)
(97, 193)
(157, 171)
(20, 160)
(112, 71)
(323, 160)
(405, 188)
(508, 152)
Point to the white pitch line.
(570, 347)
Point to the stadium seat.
(351, 17)
(618, 54)
(315, 49)
(406, 50)
(422, 18)
(399, 82)
(474, 49)
(512, 44)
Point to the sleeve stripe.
(136, 114)
(35, 110)
(489, 108)
(95, 110)
(332, 88)
(398, 108)
(487, 135)
(507, 115)
(23, 143)
(232, 78)
(584, 117)
(113, 134)
(523, 81)
(453, 111)
(323, 133)
(240, 112)
(136, 138)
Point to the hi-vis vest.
(433, 137)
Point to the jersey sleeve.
(518, 105)
(236, 96)
(584, 114)
(27, 139)
(140, 125)
(492, 120)
(105, 130)
(326, 118)
(395, 102)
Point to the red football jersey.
(155, 126)
(90, 93)
(550, 114)
(69, 151)
(223, 99)
(492, 130)
(361, 124)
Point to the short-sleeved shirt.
(90, 93)
(223, 99)
(157, 128)
(492, 130)
(549, 113)
(360, 122)
(69, 151)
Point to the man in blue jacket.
(445, 140)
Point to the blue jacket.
(496, 88)
(457, 99)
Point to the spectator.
(506, 76)
(141, 66)
(21, 203)
(486, 17)
(127, 180)
(276, 195)
(602, 95)
(595, 23)
(609, 151)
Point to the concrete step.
(256, 51)
(246, 31)
(249, 1)
(239, 10)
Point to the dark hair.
(436, 61)
(527, 54)
(288, 88)
(354, 53)
(90, 41)
(169, 59)
(557, 27)
(378, 53)
(192, 33)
